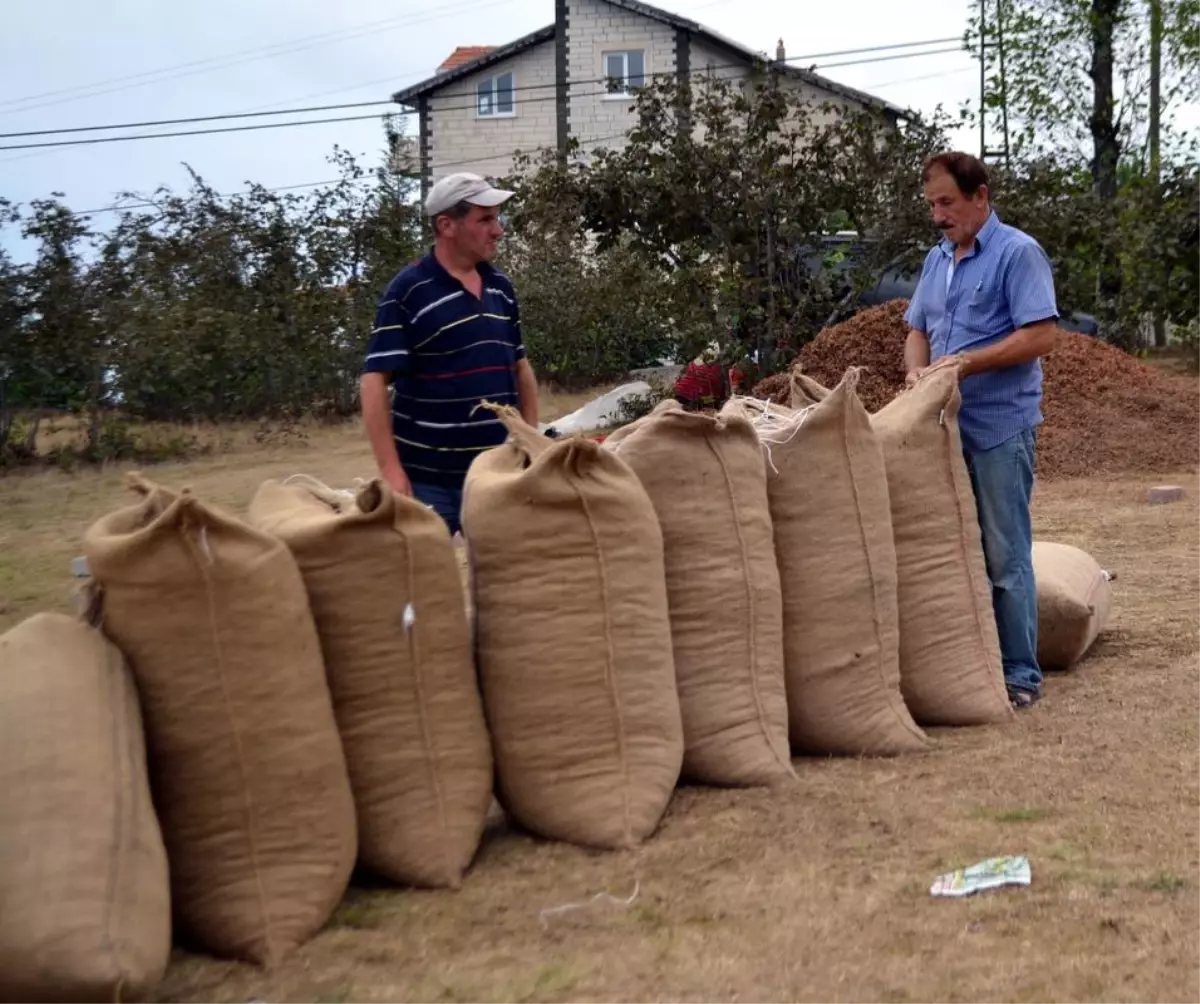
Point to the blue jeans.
(445, 501)
(1003, 481)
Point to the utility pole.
(1156, 33)
(984, 48)
(1003, 81)
(983, 79)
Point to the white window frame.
(493, 81)
(625, 94)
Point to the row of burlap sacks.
(696, 596)
(304, 684)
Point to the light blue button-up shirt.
(1003, 284)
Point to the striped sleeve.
(388, 350)
(518, 337)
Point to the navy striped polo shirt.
(444, 351)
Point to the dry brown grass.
(818, 891)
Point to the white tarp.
(600, 413)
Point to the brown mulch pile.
(1106, 411)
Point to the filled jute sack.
(805, 391)
(85, 909)
(707, 481)
(833, 542)
(245, 761)
(573, 638)
(1074, 600)
(383, 582)
(950, 668)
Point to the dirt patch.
(1106, 411)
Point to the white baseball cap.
(463, 187)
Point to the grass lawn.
(819, 891)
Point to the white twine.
(552, 911)
(770, 425)
(410, 617)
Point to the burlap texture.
(950, 668)
(1074, 602)
(573, 638)
(383, 581)
(833, 540)
(805, 390)
(707, 481)
(85, 911)
(246, 765)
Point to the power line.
(331, 181)
(65, 95)
(925, 76)
(888, 59)
(470, 95)
(260, 52)
(191, 132)
(196, 118)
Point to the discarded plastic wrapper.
(600, 897)
(989, 874)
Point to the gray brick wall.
(457, 133)
(597, 27)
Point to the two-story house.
(575, 79)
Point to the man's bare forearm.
(377, 417)
(916, 351)
(1022, 346)
(527, 393)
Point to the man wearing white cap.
(447, 336)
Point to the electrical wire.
(463, 94)
(96, 89)
(330, 181)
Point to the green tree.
(732, 207)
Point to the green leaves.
(731, 208)
(201, 307)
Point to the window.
(494, 96)
(624, 71)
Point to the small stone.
(1162, 494)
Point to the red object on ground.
(702, 383)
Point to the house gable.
(553, 85)
(462, 129)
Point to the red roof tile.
(464, 54)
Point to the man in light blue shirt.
(985, 304)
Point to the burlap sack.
(707, 481)
(1074, 600)
(384, 586)
(573, 638)
(950, 668)
(805, 390)
(833, 541)
(246, 765)
(85, 911)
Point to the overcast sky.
(69, 62)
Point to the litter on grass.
(600, 897)
(989, 874)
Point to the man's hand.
(958, 361)
(397, 480)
